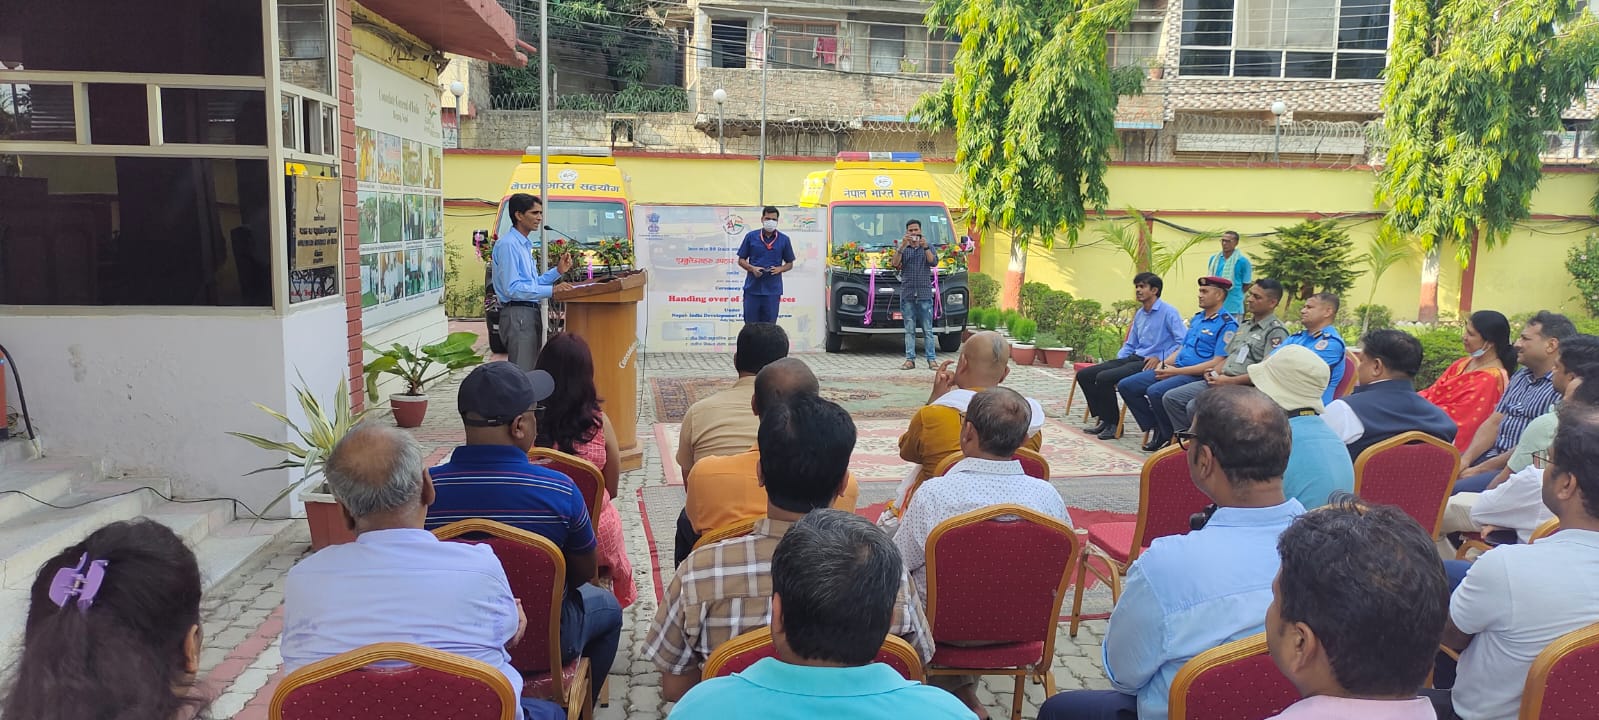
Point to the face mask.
(1480, 352)
(770, 225)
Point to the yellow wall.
(1526, 273)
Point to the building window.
(1338, 39)
(1136, 45)
(195, 37)
(303, 41)
(941, 48)
(37, 112)
(729, 43)
(887, 50)
(803, 46)
(99, 230)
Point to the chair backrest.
(716, 535)
(1167, 498)
(943, 468)
(998, 574)
(1032, 462)
(746, 649)
(1346, 382)
(430, 683)
(1561, 680)
(588, 478)
(1236, 681)
(536, 569)
(1549, 527)
(1412, 470)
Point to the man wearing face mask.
(764, 255)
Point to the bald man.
(725, 490)
(935, 430)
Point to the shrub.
(986, 318)
(1008, 318)
(1048, 340)
(1583, 264)
(1440, 346)
(985, 290)
(1103, 344)
(1082, 319)
(1357, 322)
(1024, 330)
(1051, 312)
(1313, 256)
(1031, 298)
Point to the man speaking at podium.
(517, 284)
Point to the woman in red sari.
(1470, 389)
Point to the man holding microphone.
(916, 261)
(764, 255)
(517, 284)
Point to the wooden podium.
(604, 312)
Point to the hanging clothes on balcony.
(826, 50)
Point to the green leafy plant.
(985, 290)
(1024, 330)
(1365, 319)
(1313, 256)
(1032, 297)
(1388, 250)
(1440, 346)
(1583, 264)
(1079, 323)
(1051, 312)
(986, 318)
(316, 440)
(1128, 236)
(413, 366)
(1048, 341)
(1009, 318)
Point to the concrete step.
(29, 539)
(23, 485)
(16, 450)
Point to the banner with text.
(695, 297)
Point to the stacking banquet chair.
(1481, 541)
(1071, 395)
(727, 532)
(588, 478)
(1033, 464)
(740, 652)
(1412, 470)
(1561, 681)
(1010, 607)
(1346, 383)
(536, 569)
(1167, 498)
(1235, 681)
(425, 683)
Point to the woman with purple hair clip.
(113, 631)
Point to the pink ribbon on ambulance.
(871, 290)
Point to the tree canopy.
(1471, 87)
(626, 36)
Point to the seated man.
(996, 423)
(934, 432)
(1531, 393)
(1320, 336)
(1318, 464)
(396, 582)
(1514, 500)
(1189, 593)
(1256, 337)
(490, 477)
(1516, 599)
(1203, 350)
(835, 582)
(1157, 329)
(724, 490)
(1356, 612)
(1384, 403)
(723, 590)
(720, 424)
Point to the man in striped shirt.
(490, 478)
(725, 589)
(1531, 393)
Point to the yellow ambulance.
(867, 198)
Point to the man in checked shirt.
(725, 589)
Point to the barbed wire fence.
(1231, 140)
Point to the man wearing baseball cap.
(1318, 462)
(1203, 349)
(490, 478)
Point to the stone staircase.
(31, 533)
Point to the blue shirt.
(400, 586)
(1525, 398)
(1156, 332)
(776, 690)
(755, 250)
(1329, 346)
(496, 482)
(516, 277)
(1189, 593)
(1207, 338)
(1242, 274)
(1318, 462)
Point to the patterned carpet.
(890, 396)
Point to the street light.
(1278, 109)
(720, 96)
(457, 88)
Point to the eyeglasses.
(1541, 459)
(1183, 438)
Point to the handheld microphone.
(1198, 520)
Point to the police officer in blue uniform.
(1322, 338)
(1204, 348)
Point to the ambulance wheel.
(949, 342)
(835, 342)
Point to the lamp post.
(457, 88)
(766, 54)
(1278, 109)
(720, 96)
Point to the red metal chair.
(536, 569)
(1071, 394)
(588, 478)
(431, 683)
(1346, 382)
(993, 617)
(1033, 464)
(1412, 470)
(1561, 681)
(1236, 681)
(737, 654)
(1167, 497)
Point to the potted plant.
(414, 366)
(321, 433)
(974, 322)
(1023, 330)
(1054, 350)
